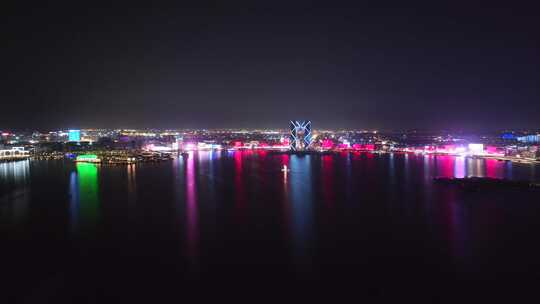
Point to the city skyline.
(259, 149)
(280, 127)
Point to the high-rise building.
(74, 135)
(300, 137)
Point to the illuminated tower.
(300, 138)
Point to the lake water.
(376, 222)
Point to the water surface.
(225, 217)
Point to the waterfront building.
(300, 135)
(15, 153)
(88, 158)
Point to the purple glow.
(191, 206)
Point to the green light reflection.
(88, 194)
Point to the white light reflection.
(459, 167)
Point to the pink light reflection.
(239, 190)
(328, 179)
(445, 166)
(494, 168)
(192, 212)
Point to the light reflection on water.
(74, 202)
(132, 182)
(14, 190)
(18, 171)
(472, 167)
(286, 205)
(335, 194)
(239, 187)
(459, 168)
(301, 192)
(84, 198)
(192, 215)
(328, 179)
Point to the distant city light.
(189, 146)
(155, 148)
(529, 139)
(74, 135)
(460, 149)
(203, 146)
(476, 149)
(327, 144)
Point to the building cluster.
(299, 137)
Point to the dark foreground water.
(226, 224)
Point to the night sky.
(455, 66)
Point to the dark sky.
(453, 66)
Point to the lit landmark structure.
(300, 137)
